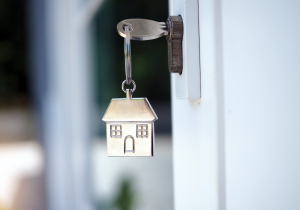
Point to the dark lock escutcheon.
(174, 39)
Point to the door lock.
(142, 30)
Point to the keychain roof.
(129, 109)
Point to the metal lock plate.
(174, 39)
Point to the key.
(143, 29)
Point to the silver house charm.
(129, 121)
(130, 127)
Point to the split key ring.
(127, 51)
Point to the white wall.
(237, 148)
(261, 49)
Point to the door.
(237, 147)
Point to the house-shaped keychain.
(130, 126)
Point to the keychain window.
(141, 130)
(115, 131)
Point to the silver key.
(143, 29)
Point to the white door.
(237, 148)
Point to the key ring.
(127, 51)
(134, 86)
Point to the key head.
(143, 29)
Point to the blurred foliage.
(125, 197)
(149, 58)
(13, 47)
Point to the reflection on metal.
(125, 145)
